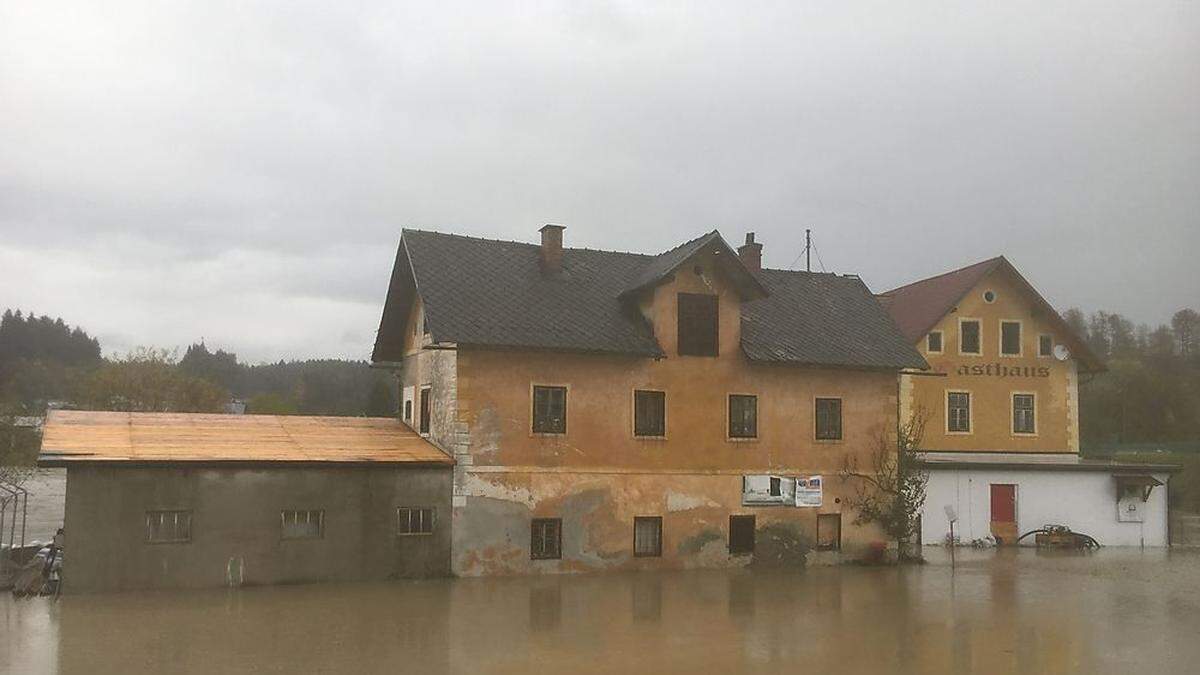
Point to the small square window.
(549, 410)
(1045, 345)
(958, 411)
(933, 342)
(829, 419)
(414, 520)
(1010, 338)
(743, 416)
(302, 524)
(968, 336)
(545, 539)
(647, 536)
(168, 527)
(649, 413)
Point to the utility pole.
(808, 250)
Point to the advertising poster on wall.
(808, 490)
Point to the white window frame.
(1050, 354)
(1020, 339)
(175, 516)
(970, 412)
(961, 320)
(1012, 414)
(308, 514)
(400, 513)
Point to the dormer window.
(697, 324)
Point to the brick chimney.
(751, 253)
(552, 252)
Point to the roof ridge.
(531, 244)
(992, 260)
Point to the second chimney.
(751, 254)
(552, 251)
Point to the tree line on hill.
(44, 363)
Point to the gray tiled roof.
(491, 293)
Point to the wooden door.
(1004, 513)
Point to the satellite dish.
(1061, 352)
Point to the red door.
(1004, 513)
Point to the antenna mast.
(808, 250)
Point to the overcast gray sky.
(241, 171)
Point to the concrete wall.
(1085, 501)
(236, 526)
(992, 379)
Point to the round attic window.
(989, 296)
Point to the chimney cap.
(551, 226)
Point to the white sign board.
(809, 490)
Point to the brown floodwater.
(1114, 611)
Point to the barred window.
(412, 520)
(649, 413)
(1045, 345)
(168, 527)
(302, 524)
(550, 410)
(829, 419)
(647, 536)
(958, 411)
(545, 539)
(743, 416)
(426, 412)
(1023, 414)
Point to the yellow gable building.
(1000, 406)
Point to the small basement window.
(545, 539)
(302, 524)
(968, 336)
(743, 416)
(649, 413)
(933, 342)
(698, 324)
(647, 536)
(168, 527)
(414, 520)
(829, 419)
(549, 410)
(1010, 338)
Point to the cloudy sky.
(241, 171)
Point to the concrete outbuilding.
(195, 500)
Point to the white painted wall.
(1085, 501)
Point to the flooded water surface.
(1009, 612)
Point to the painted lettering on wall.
(1000, 370)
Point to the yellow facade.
(992, 378)
(598, 475)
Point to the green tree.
(891, 491)
(381, 402)
(149, 380)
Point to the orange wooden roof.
(72, 436)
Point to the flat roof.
(73, 437)
(1048, 461)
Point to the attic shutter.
(697, 324)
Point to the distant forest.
(45, 362)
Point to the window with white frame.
(1045, 345)
(958, 412)
(968, 337)
(1010, 338)
(1024, 420)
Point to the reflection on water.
(1022, 612)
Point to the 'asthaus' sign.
(1001, 370)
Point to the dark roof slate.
(490, 293)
